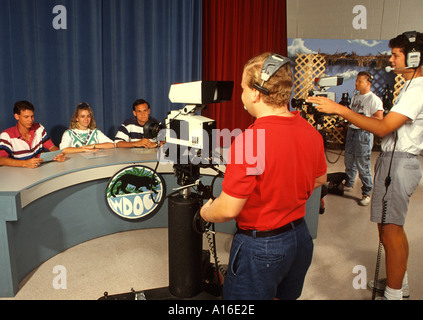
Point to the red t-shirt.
(274, 164)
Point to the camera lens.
(152, 128)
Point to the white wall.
(333, 19)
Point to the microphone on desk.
(389, 69)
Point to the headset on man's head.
(413, 55)
(272, 64)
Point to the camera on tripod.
(308, 108)
(190, 271)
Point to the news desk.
(47, 210)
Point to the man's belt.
(270, 233)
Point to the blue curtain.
(111, 53)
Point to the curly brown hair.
(279, 85)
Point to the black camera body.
(308, 108)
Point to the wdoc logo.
(135, 193)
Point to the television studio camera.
(308, 108)
(190, 137)
(189, 147)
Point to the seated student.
(21, 145)
(83, 135)
(131, 132)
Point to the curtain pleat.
(115, 51)
(233, 32)
(112, 53)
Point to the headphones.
(272, 64)
(370, 77)
(413, 55)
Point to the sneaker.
(381, 285)
(365, 201)
(344, 187)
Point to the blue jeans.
(358, 149)
(268, 268)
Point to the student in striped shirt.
(21, 145)
(131, 132)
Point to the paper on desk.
(94, 155)
(49, 156)
(143, 150)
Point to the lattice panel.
(308, 67)
(337, 133)
(399, 84)
(311, 66)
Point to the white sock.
(405, 288)
(405, 280)
(393, 294)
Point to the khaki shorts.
(405, 177)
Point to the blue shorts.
(270, 267)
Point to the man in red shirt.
(21, 146)
(272, 249)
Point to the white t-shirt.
(78, 138)
(366, 104)
(409, 104)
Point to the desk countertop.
(18, 179)
(32, 184)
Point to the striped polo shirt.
(131, 131)
(13, 145)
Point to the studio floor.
(344, 256)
